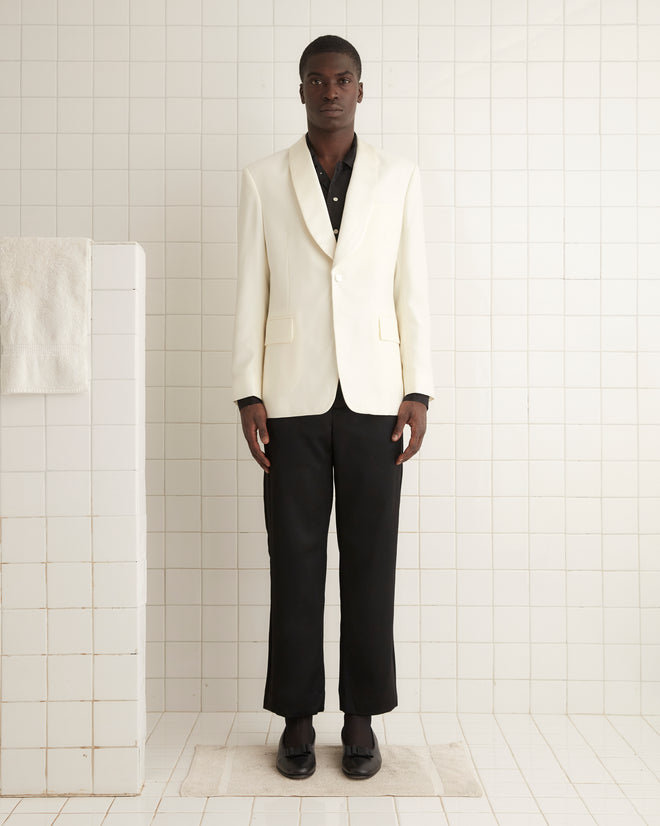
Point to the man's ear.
(301, 93)
(360, 93)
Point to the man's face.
(330, 90)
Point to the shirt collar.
(349, 157)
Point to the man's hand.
(413, 414)
(253, 419)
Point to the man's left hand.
(414, 415)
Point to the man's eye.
(345, 80)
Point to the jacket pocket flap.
(388, 328)
(279, 330)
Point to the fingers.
(413, 447)
(257, 453)
(253, 420)
(401, 420)
(414, 415)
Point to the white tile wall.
(73, 562)
(529, 554)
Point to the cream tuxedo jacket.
(312, 309)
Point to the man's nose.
(330, 92)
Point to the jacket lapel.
(359, 200)
(310, 197)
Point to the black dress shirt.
(335, 188)
(334, 191)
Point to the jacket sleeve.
(411, 296)
(252, 294)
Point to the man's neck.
(330, 147)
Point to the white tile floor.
(560, 771)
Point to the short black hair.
(330, 43)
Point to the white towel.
(44, 311)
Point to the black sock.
(298, 731)
(357, 730)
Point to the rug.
(408, 771)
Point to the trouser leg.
(297, 502)
(367, 497)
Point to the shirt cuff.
(411, 397)
(248, 400)
(417, 397)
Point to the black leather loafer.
(360, 762)
(296, 762)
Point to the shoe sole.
(295, 776)
(360, 776)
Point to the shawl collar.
(359, 198)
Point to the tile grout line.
(528, 262)
(638, 467)
(593, 752)
(454, 364)
(175, 764)
(634, 749)
(520, 769)
(601, 356)
(474, 764)
(565, 356)
(491, 361)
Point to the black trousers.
(306, 453)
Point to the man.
(331, 361)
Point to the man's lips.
(331, 109)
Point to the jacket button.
(338, 276)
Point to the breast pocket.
(388, 328)
(279, 330)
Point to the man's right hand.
(253, 420)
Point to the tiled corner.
(73, 574)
